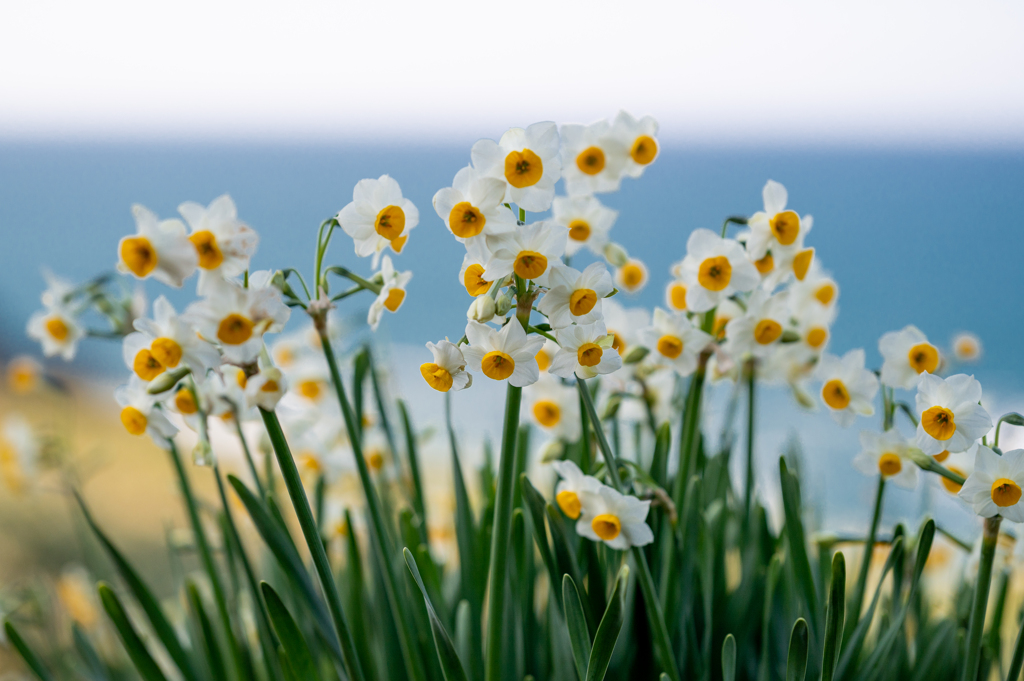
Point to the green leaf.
(576, 623)
(796, 660)
(140, 657)
(609, 628)
(659, 461)
(534, 503)
(299, 659)
(729, 658)
(835, 611)
(27, 654)
(796, 541)
(209, 638)
(451, 664)
(414, 463)
(88, 654)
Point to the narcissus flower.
(759, 329)
(886, 454)
(813, 325)
(265, 389)
(140, 414)
(674, 341)
(472, 206)
(587, 220)
(392, 292)
(575, 297)
(847, 387)
(592, 159)
(951, 417)
(639, 137)
(236, 318)
(906, 355)
(19, 453)
(675, 296)
(994, 487)
(816, 291)
(448, 370)
(624, 324)
(632, 276)
(775, 227)
(546, 354)
(160, 249)
(966, 347)
(23, 374)
(57, 329)
(573, 484)
(527, 161)
(471, 276)
(223, 243)
(378, 216)
(586, 351)
(506, 354)
(528, 252)
(555, 408)
(167, 342)
(616, 519)
(713, 269)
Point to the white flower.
(471, 276)
(713, 269)
(624, 324)
(140, 414)
(775, 227)
(817, 291)
(572, 485)
(237, 318)
(848, 388)
(309, 379)
(674, 341)
(640, 140)
(555, 408)
(19, 453)
(448, 370)
(757, 331)
(675, 296)
(575, 297)
(587, 220)
(906, 355)
(813, 325)
(378, 216)
(950, 416)
(776, 266)
(886, 454)
(529, 251)
(223, 394)
(585, 351)
(160, 248)
(505, 354)
(616, 519)
(57, 329)
(967, 348)
(472, 206)
(482, 309)
(632, 276)
(994, 488)
(592, 159)
(527, 160)
(265, 389)
(223, 243)
(392, 292)
(166, 342)
(546, 354)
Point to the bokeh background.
(898, 125)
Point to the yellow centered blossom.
(938, 422)
(134, 421)
(582, 301)
(618, 343)
(589, 354)
(606, 526)
(825, 293)
(632, 275)
(57, 329)
(166, 351)
(465, 220)
(942, 456)
(530, 264)
(210, 256)
(678, 296)
(670, 346)
(889, 464)
(966, 348)
(523, 168)
(543, 360)
(924, 357)
(579, 230)
(1005, 492)
(952, 487)
(390, 222)
(817, 336)
(802, 263)
(497, 365)
(436, 377)
(644, 149)
(75, 601)
(284, 356)
(547, 413)
(270, 386)
(590, 161)
(394, 299)
(570, 504)
(22, 376)
(715, 273)
(766, 264)
(234, 329)
(375, 460)
(474, 282)
(185, 402)
(398, 243)
(146, 365)
(785, 226)
(310, 389)
(240, 378)
(835, 394)
(309, 462)
(718, 326)
(767, 331)
(139, 255)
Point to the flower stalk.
(977, 622)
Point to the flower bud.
(552, 451)
(615, 254)
(167, 380)
(503, 304)
(481, 310)
(202, 454)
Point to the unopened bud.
(481, 310)
(503, 304)
(615, 254)
(635, 354)
(202, 454)
(167, 380)
(551, 451)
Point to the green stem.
(311, 534)
(748, 492)
(662, 642)
(248, 459)
(977, 622)
(688, 434)
(497, 638)
(1018, 657)
(865, 564)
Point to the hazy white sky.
(741, 71)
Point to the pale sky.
(719, 72)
